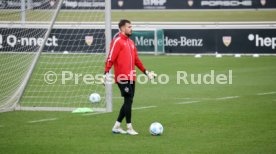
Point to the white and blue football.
(156, 129)
(95, 98)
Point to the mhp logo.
(154, 2)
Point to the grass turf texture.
(71, 93)
(147, 16)
(241, 125)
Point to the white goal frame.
(15, 99)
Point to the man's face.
(127, 29)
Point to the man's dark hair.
(123, 22)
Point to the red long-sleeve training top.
(123, 55)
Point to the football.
(156, 129)
(94, 98)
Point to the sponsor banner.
(220, 40)
(246, 41)
(149, 4)
(143, 4)
(189, 41)
(60, 40)
(144, 40)
(83, 4)
(23, 40)
(192, 4)
(235, 4)
(30, 4)
(261, 41)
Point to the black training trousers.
(127, 89)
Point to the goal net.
(52, 54)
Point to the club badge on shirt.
(126, 89)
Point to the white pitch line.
(183, 98)
(228, 97)
(95, 113)
(196, 98)
(267, 93)
(42, 120)
(189, 102)
(144, 107)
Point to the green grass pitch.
(244, 124)
(203, 122)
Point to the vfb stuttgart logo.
(227, 40)
(190, 2)
(89, 40)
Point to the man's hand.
(150, 74)
(103, 79)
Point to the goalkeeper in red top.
(123, 55)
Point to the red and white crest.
(89, 40)
(227, 40)
(190, 2)
(120, 3)
(263, 2)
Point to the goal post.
(52, 61)
(108, 33)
